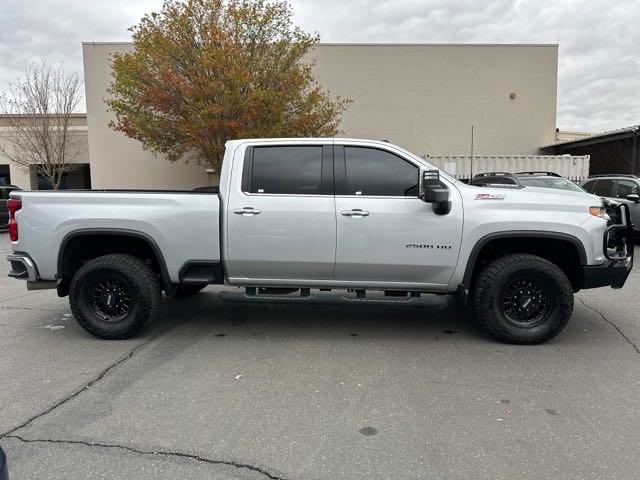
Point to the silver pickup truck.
(293, 215)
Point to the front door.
(385, 232)
(281, 219)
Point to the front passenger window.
(374, 172)
(626, 187)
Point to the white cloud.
(599, 65)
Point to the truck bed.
(183, 225)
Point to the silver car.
(620, 188)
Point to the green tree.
(206, 71)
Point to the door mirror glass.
(434, 192)
(634, 197)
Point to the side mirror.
(633, 197)
(432, 191)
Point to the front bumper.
(613, 273)
(618, 246)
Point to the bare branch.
(38, 110)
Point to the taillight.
(13, 205)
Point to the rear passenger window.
(370, 171)
(286, 170)
(604, 188)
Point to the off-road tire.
(144, 291)
(186, 291)
(490, 310)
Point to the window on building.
(370, 171)
(5, 175)
(286, 170)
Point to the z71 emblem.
(489, 196)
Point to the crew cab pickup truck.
(293, 215)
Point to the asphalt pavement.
(217, 389)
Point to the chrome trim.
(30, 267)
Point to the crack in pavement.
(6, 307)
(618, 329)
(163, 453)
(100, 375)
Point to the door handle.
(356, 212)
(246, 211)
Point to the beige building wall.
(118, 161)
(426, 97)
(25, 178)
(422, 97)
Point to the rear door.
(386, 234)
(281, 221)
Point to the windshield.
(558, 183)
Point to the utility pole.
(471, 169)
(634, 153)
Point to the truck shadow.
(229, 313)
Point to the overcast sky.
(599, 64)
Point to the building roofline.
(596, 137)
(390, 44)
(20, 115)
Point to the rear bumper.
(22, 267)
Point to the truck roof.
(231, 143)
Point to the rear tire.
(523, 299)
(114, 296)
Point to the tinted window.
(626, 187)
(604, 188)
(589, 186)
(370, 171)
(287, 170)
(550, 182)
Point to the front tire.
(523, 299)
(114, 296)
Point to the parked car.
(619, 188)
(547, 180)
(495, 178)
(301, 214)
(526, 179)
(5, 190)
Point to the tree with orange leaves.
(206, 71)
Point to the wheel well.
(563, 253)
(79, 249)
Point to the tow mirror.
(434, 192)
(633, 197)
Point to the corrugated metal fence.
(575, 168)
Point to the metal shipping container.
(575, 168)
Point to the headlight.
(599, 212)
